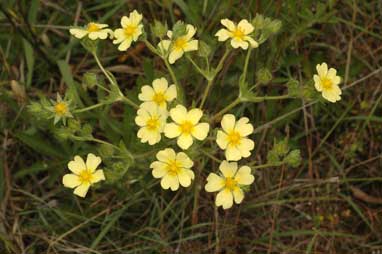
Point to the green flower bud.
(293, 159)
(89, 45)
(159, 29)
(264, 76)
(204, 50)
(116, 172)
(178, 30)
(89, 80)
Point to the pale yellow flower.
(160, 93)
(174, 169)
(180, 45)
(152, 120)
(239, 34)
(131, 29)
(60, 109)
(186, 126)
(233, 138)
(229, 183)
(84, 174)
(327, 82)
(93, 30)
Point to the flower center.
(130, 30)
(173, 168)
(234, 138)
(326, 83)
(238, 34)
(152, 124)
(93, 27)
(230, 183)
(85, 176)
(186, 127)
(60, 108)
(158, 98)
(180, 43)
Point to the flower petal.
(185, 141)
(244, 127)
(229, 24)
(214, 183)
(191, 46)
(175, 54)
(125, 44)
(194, 115)
(166, 155)
(224, 198)
(191, 30)
(238, 195)
(228, 122)
(317, 83)
(178, 114)
(71, 180)
(239, 44)
(322, 69)
(184, 160)
(147, 93)
(243, 176)
(79, 33)
(159, 169)
(252, 42)
(160, 85)
(92, 162)
(172, 130)
(245, 147)
(98, 176)
(245, 26)
(81, 190)
(171, 93)
(184, 178)
(200, 131)
(77, 165)
(223, 34)
(170, 181)
(228, 169)
(222, 139)
(232, 153)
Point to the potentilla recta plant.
(176, 129)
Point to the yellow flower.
(229, 183)
(60, 109)
(239, 34)
(130, 31)
(160, 93)
(93, 30)
(233, 137)
(180, 45)
(327, 82)
(84, 175)
(186, 126)
(174, 169)
(152, 120)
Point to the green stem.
(267, 165)
(103, 69)
(244, 75)
(224, 110)
(196, 66)
(173, 77)
(90, 107)
(211, 79)
(151, 47)
(112, 82)
(130, 102)
(265, 98)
